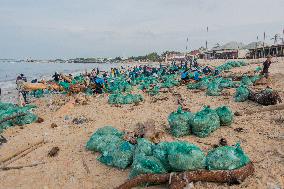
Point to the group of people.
(189, 69)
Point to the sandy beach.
(262, 137)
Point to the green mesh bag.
(227, 83)
(202, 84)
(119, 99)
(255, 78)
(146, 165)
(137, 98)
(37, 93)
(242, 93)
(100, 143)
(5, 125)
(205, 122)
(103, 138)
(246, 81)
(128, 99)
(65, 85)
(225, 114)
(27, 119)
(8, 110)
(193, 85)
(213, 89)
(258, 69)
(180, 122)
(112, 99)
(154, 91)
(144, 147)
(109, 130)
(183, 156)
(120, 155)
(226, 158)
(5, 106)
(160, 151)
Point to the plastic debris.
(225, 114)
(180, 122)
(226, 158)
(205, 122)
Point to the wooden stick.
(20, 167)
(180, 180)
(8, 160)
(12, 117)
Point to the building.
(261, 51)
(231, 50)
(175, 56)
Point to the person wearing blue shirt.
(196, 76)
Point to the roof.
(257, 44)
(232, 45)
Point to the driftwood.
(34, 86)
(265, 109)
(180, 180)
(20, 167)
(12, 117)
(19, 154)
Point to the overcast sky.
(92, 28)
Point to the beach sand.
(262, 139)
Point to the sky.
(48, 29)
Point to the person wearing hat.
(266, 65)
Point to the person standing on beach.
(56, 77)
(22, 94)
(266, 65)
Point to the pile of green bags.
(148, 158)
(231, 64)
(202, 123)
(125, 99)
(118, 85)
(114, 150)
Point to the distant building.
(231, 50)
(175, 56)
(262, 50)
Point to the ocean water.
(9, 70)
